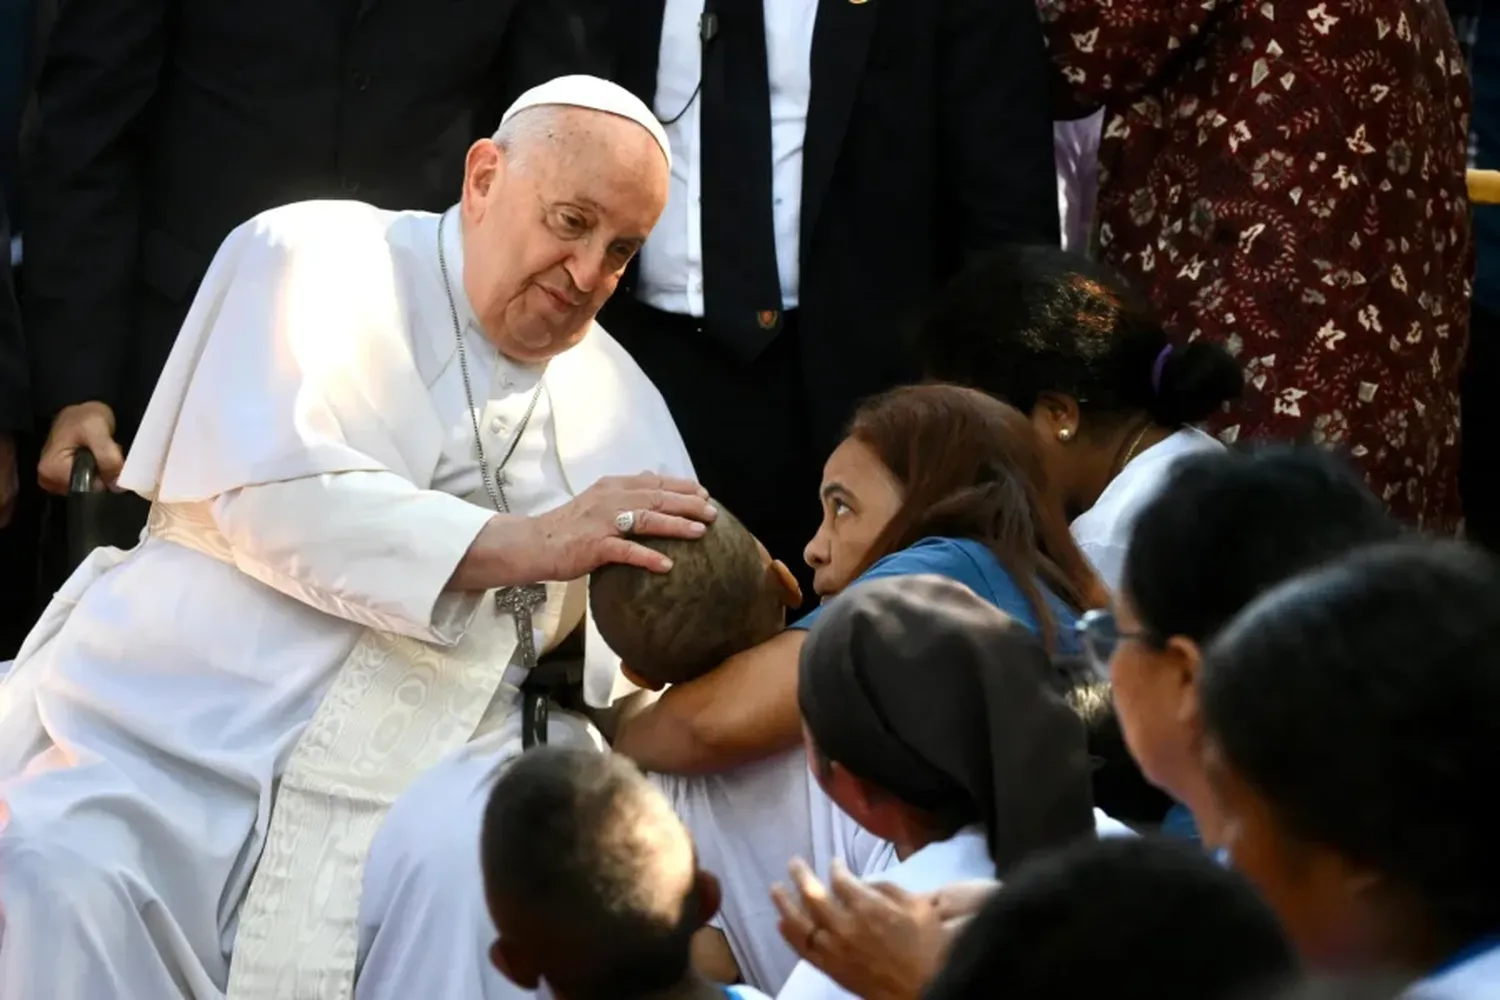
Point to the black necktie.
(741, 286)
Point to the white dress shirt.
(963, 857)
(671, 276)
(746, 825)
(1473, 977)
(1103, 531)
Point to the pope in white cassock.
(370, 419)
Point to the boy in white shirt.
(592, 882)
(725, 594)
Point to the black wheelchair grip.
(85, 475)
(88, 509)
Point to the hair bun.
(1197, 379)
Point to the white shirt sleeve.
(368, 547)
(744, 992)
(807, 982)
(1108, 560)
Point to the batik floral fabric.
(1287, 178)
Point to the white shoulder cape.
(296, 360)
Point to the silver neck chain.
(494, 484)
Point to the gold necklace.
(1140, 436)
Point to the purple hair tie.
(1156, 369)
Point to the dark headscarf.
(927, 691)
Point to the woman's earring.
(1065, 435)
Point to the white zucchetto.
(595, 94)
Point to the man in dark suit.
(23, 25)
(19, 507)
(15, 402)
(163, 124)
(835, 162)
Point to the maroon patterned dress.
(1287, 177)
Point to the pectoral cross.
(519, 603)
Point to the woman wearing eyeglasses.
(1225, 527)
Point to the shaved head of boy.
(723, 595)
(591, 880)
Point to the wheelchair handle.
(85, 476)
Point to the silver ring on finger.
(625, 521)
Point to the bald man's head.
(590, 876)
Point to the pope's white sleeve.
(368, 547)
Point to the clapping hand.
(877, 941)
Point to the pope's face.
(550, 227)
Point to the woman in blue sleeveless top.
(931, 479)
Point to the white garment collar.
(966, 854)
(1477, 978)
(453, 252)
(1146, 465)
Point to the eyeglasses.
(1101, 636)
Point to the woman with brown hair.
(931, 479)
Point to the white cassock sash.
(321, 380)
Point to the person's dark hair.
(1029, 320)
(1347, 988)
(1227, 525)
(1120, 789)
(970, 468)
(717, 600)
(1121, 916)
(568, 842)
(1359, 702)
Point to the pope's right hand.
(84, 425)
(585, 533)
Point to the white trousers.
(424, 926)
(89, 911)
(92, 906)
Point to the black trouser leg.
(20, 597)
(1479, 471)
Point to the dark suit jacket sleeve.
(83, 197)
(15, 401)
(995, 123)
